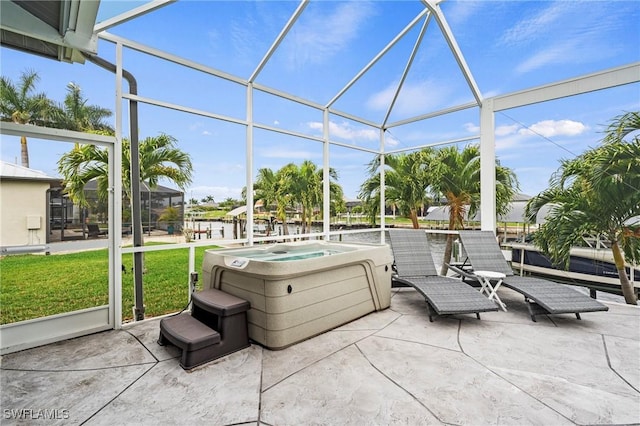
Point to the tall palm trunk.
(24, 151)
(625, 284)
(413, 214)
(448, 248)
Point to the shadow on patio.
(390, 367)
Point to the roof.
(237, 211)
(92, 185)
(514, 215)
(15, 172)
(58, 29)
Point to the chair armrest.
(465, 274)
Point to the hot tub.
(301, 289)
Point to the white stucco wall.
(22, 202)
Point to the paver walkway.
(390, 367)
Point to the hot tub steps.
(217, 326)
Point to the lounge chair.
(93, 230)
(415, 268)
(543, 296)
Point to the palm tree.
(75, 114)
(19, 105)
(598, 193)
(159, 158)
(406, 182)
(306, 185)
(276, 189)
(455, 175)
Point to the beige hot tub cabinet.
(298, 290)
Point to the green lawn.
(33, 286)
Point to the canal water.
(437, 244)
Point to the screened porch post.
(487, 167)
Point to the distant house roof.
(17, 172)
(92, 186)
(237, 211)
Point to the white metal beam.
(249, 163)
(434, 7)
(48, 133)
(407, 67)
(487, 167)
(431, 145)
(326, 188)
(380, 54)
(115, 200)
(131, 14)
(296, 14)
(606, 79)
(171, 58)
(445, 111)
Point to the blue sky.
(508, 46)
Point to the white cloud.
(319, 36)
(460, 12)
(415, 98)
(471, 127)
(565, 52)
(544, 128)
(528, 29)
(206, 133)
(506, 130)
(219, 193)
(514, 135)
(195, 126)
(581, 40)
(391, 141)
(288, 153)
(346, 131)
(552, 128)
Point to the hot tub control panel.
(239, 263)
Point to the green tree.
(276, 189)
(406, 182)
(19, 104)
(597, 193)
(75, 114)
(455, 176)
(305, 182)
(296, 185)
(159, 158)
(229, 203)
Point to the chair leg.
(578, 316)
(429, 311)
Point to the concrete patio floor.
(390, 367)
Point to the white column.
(326, 193)
(487, 167)
(249, 163)
(115, 204)
(382, 188)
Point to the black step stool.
(217, 326)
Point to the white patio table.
(487, 280)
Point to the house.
(23, 205)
